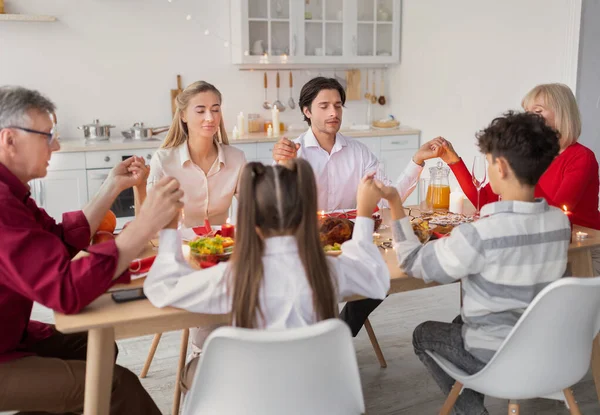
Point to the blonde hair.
(559, 99)
(178, 133)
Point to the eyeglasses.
(52, 136)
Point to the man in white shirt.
(339, 164)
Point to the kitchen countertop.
(120, 143)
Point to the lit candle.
(322, 214)
(228, 230)
(581, 235)
(569, 214)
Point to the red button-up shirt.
(35, 265)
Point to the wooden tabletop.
(139, 318)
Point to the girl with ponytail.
(278, 276)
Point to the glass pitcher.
(438, 193)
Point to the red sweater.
(571, 180)
(35, 265)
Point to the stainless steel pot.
(141, 132)
(96, 131)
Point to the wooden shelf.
(25, 18)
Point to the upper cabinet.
(304, 33)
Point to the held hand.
(367, 197)
(449, 156)
(389, 193)
(162, 205)
(285, 149)
(121, 177)
(431, 149)
(140, 171)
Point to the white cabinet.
(61, 191)
(288, 33)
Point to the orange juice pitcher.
(438, 193)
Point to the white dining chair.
(308, 370)
(547, 351)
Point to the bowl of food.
(206, 251)
(333, 250)
(423, 229)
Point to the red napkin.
(141, 266)
(203, 230)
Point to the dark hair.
(526, 142)
(311, 89)
(278, 200)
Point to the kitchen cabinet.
(61, 191)
(299, 33)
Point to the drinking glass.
(425, 199)
(479, 175)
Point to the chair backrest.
(308, 370)
(549, 349)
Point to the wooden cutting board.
(353, 85)
(174, 93)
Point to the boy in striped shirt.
(517, 247)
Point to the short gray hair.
(16, 101)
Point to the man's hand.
(285, 149)
(429, 150)
(367, 196)
(121, 177)
(162, 205)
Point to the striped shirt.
(504, 260)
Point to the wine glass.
(381, 177)
(479, 175)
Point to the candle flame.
(565, 208)
(228, 221)
(322, 213)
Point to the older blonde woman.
(197, 153)
(572, 178)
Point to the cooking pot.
(96, 131)
(141, 132)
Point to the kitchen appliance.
(96, 131)
(140, 132)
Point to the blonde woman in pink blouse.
(197, 153)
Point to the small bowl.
(206, 260)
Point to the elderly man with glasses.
(42, 370)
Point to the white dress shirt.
(338, 174)
(285, 295)
(205, 195)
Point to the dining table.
(106, 321)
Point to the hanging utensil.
(382, 97)
(291, 102)
(367, 94)
(174, 93)
(373, 95)
(277, 102)
(266, 104)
